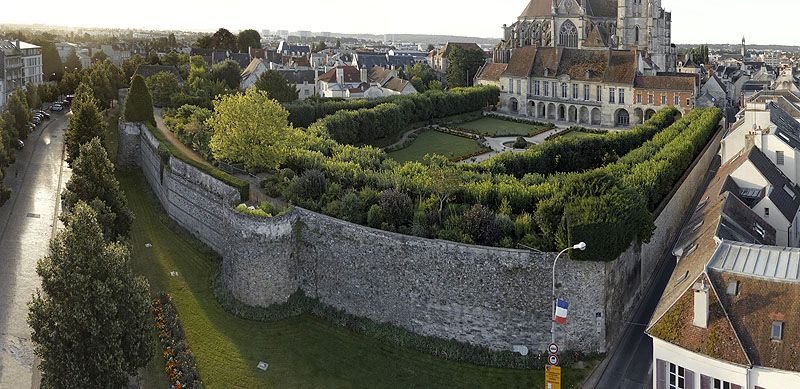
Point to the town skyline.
(689, 19)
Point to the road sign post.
(552, 377)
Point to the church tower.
(744, 50)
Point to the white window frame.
(675, 375)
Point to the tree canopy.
(17, 105)
(224, 40)
(91, 321)
(462, 66)
(163, 85)
(52, 67)
(227, 71)
(85, 124)
(139, 103)
(248, 39)
(72, 63)
(252, 129)
(276, 86)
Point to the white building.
(32, 61)
(303, 80)
(350, 82)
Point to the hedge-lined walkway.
(195, 156)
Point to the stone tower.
(744, 50)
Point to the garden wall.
(486, 296)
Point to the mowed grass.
(578, 134)
(435, 142)
(497, 128)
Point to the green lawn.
(577, 134)
(434, 142)
(496, 127)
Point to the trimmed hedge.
(390, 118)
(166, 149)
(139, 102)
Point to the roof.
(786, 127)
(671, 83)
(371, 60)
(611, 66)
(351, 75)
(252, 67)
(492, 71)
(448, 47)
(294, 76)
(521, 62)
(149, 70)
(396, 84)
(597, 8)
(621, 67)
(537, 8)
(783, 192)
(380, 74)
(759, 261)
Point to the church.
(640, 25)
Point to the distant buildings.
(303, 80)
(438, 58)
(350, 82)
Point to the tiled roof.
(445, 51)
(396, 84)
(351, 75)
(492, 71)
(521, 62)
(671, 83)
(621, 67)
(586, 65)
(537, 8)
(612, 66)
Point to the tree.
(139, 103)
(99, 56)
(17, 105)
(204, 42)
(52, 67)
(276, 86)
(32, 96)
(153, 58)
(319, 47)
(69, 83)
(248, 39)
(162, 86)
(338, 43)
(91, 321)
(443, 179)
(72, 63)
(85, 124)
(94, 183)
(223, 40)
(130, 65)
(462, 65)
(396, 207)
(480, 223)
(253, 129)
(227, 71)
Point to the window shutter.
(661, 374)
(705, 382)
(689, 379)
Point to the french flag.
(561, 311)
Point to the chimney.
(340, 75)
(363, 74)
(18, 46)
(750, 140)
(700, 305)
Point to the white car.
(56, 107)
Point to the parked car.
(19, 144)
(36, 120)
(57, 107)
(38, 116)
(44, 114)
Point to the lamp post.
(580, 246)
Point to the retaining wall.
(492, 297)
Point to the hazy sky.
(693, 21)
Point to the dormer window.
(733, 288)
(777, 331)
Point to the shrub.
(374, 216)
(310, 185)
(396, 207)
(481, 225)
(520, 143)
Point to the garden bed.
(436, 142)
(495, 127)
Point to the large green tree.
(139, 103)
(463, 65)
(72, 63)
(32, 96)
(17, 105)
(94, 183)
(276, 86)
(227, 71)
(85, 124)
(253, 129)
(248, 39)
(224, 40)
(163, 85)
(69, 83)
(52, 67)
(91, 321)
(130, 65)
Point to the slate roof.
(787, 128)
(492, 71)
(783, 192)
(537, 8)
(149, 70)
(597, 8)
(396, 84)
(243, 59)
(294, 76)
(448, 47)
(371, 60)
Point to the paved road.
(630, 365)
(27, 221)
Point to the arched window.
(568, 37)
(636, 39)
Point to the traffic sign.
(553, 360)
(552, 377)
(553, 348)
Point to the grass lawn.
(496, 127)
(434, 142)
(577, 134)
(302, 352)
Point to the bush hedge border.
(166, 148)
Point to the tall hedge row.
(390, 118)
(581, 153)
(305, 112)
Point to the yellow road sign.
(552, 377)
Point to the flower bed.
(180, 365)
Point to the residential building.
(489, 74)
(350, 82)
(117, 54)
(287, 49)
(32, 61)
(12, 69)
(303, 80)
(593, 24)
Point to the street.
(27, 221)
(630, 364)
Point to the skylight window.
(760, 230)
(777, 331)
(733, 288)
(790, 191)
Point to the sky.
(693, 21)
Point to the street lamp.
(580, 246)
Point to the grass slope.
(434, 142)
(496, 128)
